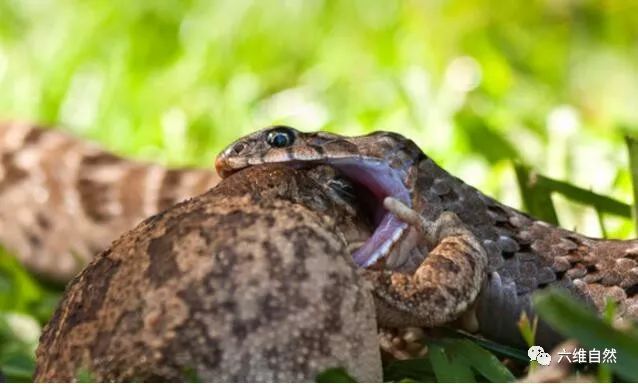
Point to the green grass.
(477, 84)
(574, 320)
(459, 359)
(25, 306)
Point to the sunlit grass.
(477, 86)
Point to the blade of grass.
(600, 202)
(448, 369)
(528, 328)
(494, 347)
(536, 192)
(632, 149)
(536, 198)
(574, 320)
(419, 370)
(17, 367)
(604, 373)
(601, 223)
(335, 375)
(502, 350)
(528, 331)
(480, 360)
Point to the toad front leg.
(443, 286)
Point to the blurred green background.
(476, 83)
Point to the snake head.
(380, 164)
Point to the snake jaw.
(379, 181)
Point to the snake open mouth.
(379, 181)
(374, 180)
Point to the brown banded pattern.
(62, 199)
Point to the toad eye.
(280, 137)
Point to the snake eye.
(280, 137)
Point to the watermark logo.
(577, 356)
(538, 354)
(581, 356)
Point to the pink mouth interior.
(382, 181)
